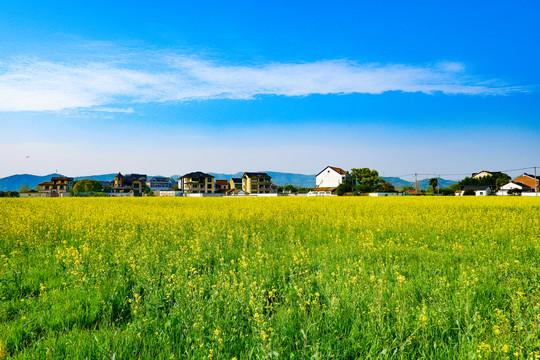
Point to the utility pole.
(535, 181)
(416, 183)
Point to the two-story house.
(258, 183)
(327, 181)
(197, 183)
(134, 183)
(58, 186)
(159, 183)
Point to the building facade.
(159, 183)
(197, 183)
(58, 186)
(258, 183)
(129, 183)
(328, 180)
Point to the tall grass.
(311, 278)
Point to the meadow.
(268, 278)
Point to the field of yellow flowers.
(291, 278)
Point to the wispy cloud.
(111, 85)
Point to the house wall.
(481, 174)
(329, 178)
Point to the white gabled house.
(513, 185)
(328, 180)
(478, 190)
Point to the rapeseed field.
(269, 278)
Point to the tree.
(343, 188)
(25, 189)
(367, 179)
(386, 186)
(434, 182)
(87, 185)
(469, 192)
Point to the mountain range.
(14, 182)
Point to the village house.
(236, 192)
(327, 181)
(528, 180)
(222, 186)
(258, 183)
(478, 190)
(129, 183)
(485, 173)
(235, 183)
(513, 186)
(159, 183)
(196, 183)
(58, 186)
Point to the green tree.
(434, 182)
(25, 189)
(387, 186)
(86, 186)
(343, 188)
(367, 179)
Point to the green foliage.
(344, 188)
(494, 181)
(25, 189)
(367, 180)
(9, 194)
(294, 189)
(434, 182)
(386, 186)
(514, 192)
(469, 192)
(86, 186)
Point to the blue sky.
(427, 87)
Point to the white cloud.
(40, 85)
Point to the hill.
(422, 184)
(15, 182)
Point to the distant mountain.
(422, 184)
(15, 182)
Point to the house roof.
(489, 172)
(474, 187)
(523, 186)
(159, 178)
(235, 191)
(46, 183)
(61, 178)
(336, 169)
(134, 177)
(531, 176)
(197, 174)
(237, 180)
(256, 174)
(222, 182)
(324, 189)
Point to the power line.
(462, 174)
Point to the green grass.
(335, 278)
